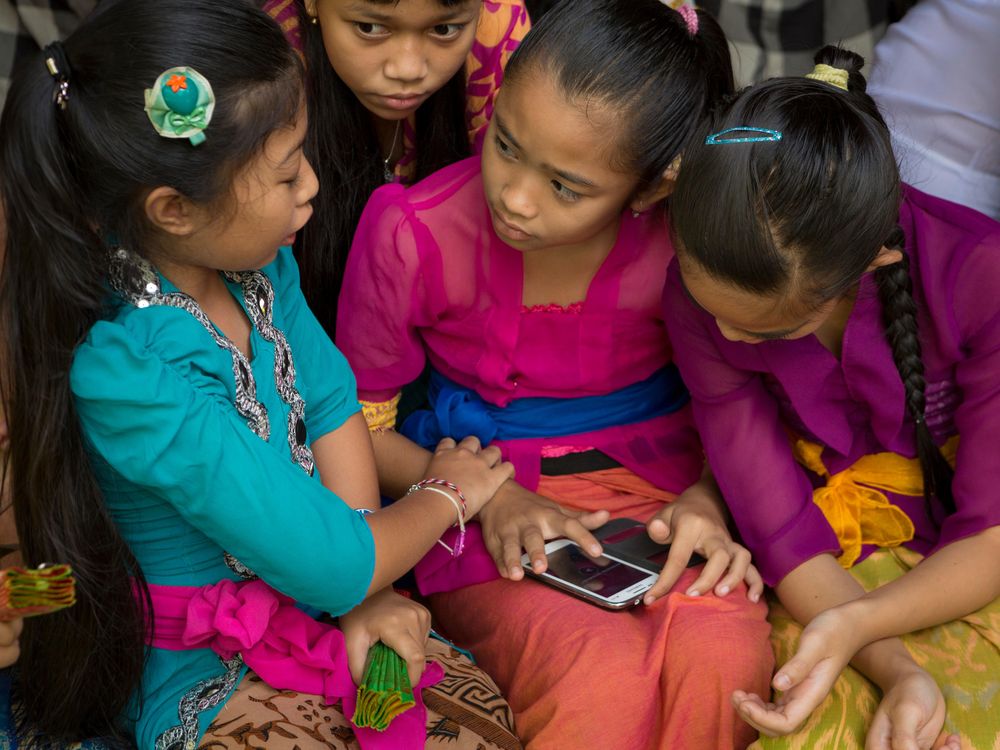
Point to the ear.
(885, 257)
(311, 8)
(660, 190)
(170, 211)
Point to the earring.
(635, 214)
(314, 20)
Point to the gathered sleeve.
(768, 493)
(323, 377)
(977, 375)
(186, 445)
(384, 300)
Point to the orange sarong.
(578, 676)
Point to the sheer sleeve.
(384, 298)
(768, 493)
(977, 375)
(323, 376)
(183, 444)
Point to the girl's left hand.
(825, 649)
(696, 522)
(401, 624)
(910, 716)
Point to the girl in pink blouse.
(530, 282)
(396, 90)
(838, 334)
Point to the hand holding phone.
(604, 580)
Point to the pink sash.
(287, 648)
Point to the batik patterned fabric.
(465, 711)
(963, 656)
(502, 26)
(779, 37)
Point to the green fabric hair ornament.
(180, 104)
(25, 592)
(385, 691)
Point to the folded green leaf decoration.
(26, 592)
(385, 691)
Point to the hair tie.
(828, 74)
(57, 64)
(690, 16)
(181, 104)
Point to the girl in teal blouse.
(185, 435)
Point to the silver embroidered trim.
(205, 695)
(258, 296)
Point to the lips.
(508, 230)
(402, 101)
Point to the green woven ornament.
(181, 104)
(385, 691)
(25, 592)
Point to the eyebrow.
(292, 151)
(763, 335)
(567, 176)
(365, 7)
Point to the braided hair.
(824, 200)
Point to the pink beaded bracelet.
(458, 500)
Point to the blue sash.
(458, 412)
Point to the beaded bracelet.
(460, 508)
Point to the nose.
(308, 182)
(407, 62)
(516, 199)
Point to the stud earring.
(314, 20)
(635, 214)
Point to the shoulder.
(956, 253)
(501, 22)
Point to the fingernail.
(722, 590)
(693, 592)
(648, 600)
(782, 682)
(595, 551)
(755, 597)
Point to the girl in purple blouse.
(838, 334)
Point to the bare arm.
(348, 446)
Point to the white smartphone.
(606, 581)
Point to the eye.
(502, 147)
(371, 30)
(564, 193)
(294, 181)
(448, 31)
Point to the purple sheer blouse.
(747, 396)
(428, 279)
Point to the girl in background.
(187, 438)
(530, 279)
(395, 92)
(841, 339)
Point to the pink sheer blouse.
(746, 396)
(428, 280)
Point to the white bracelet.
(458, 511)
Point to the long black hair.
(343, 148)
(71, 177)
(640, 58)
(805, 216)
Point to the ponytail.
(78, 667)
(899, 313)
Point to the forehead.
(578, 136)
(403, 9)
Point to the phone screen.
(598, 574)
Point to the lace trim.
(381, 415)
(573, 308)
(205, 695)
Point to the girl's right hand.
(478, 472)
(10, 645)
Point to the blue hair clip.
(766, 134)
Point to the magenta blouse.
(428, 280)
(745, 396)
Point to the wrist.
(453, 494)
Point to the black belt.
(577, 463)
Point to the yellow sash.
(853, 504)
